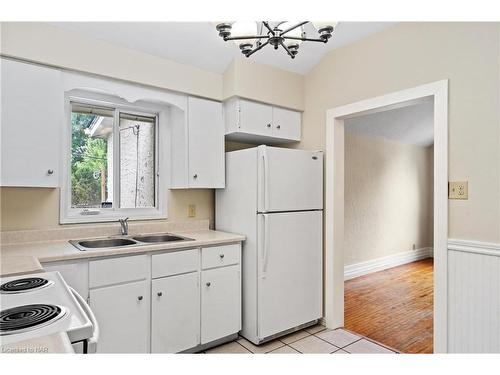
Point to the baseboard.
(379, 264)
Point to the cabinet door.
(206, 144)
(286, 123)
(32, 110)
(123, 315)
(175, 314)
(256, 118)
(220, 303)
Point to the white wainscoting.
(379, 264)
(473, 297)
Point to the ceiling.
(413, 124)
(198, 43)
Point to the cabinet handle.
(159, 294)
(140, 298)
(278, 127)
(208, 284)
(50, 172)
(195, 176)
(221, 256)
(268, 125)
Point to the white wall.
(411, 54)
(388, 206)
(40, 42)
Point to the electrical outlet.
(458, 190)
(192, 210)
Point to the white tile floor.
(311, 340)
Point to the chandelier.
(252, 36)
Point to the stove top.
(38, 305)
(25, 284)
(25, 318)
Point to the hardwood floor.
(394, 306)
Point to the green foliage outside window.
(88, 163)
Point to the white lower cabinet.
(220, 303)
(123, 315)
(175, 313)
(161, 303)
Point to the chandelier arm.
(293, 27)
(287, 50)
(266, 24)
(246, 37)
(305, 39)
(256, 49)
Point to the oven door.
(89, 345)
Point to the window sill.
(77, 218)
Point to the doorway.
(437, 93)
(388, 226)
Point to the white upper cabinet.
(286, 123)
(248, 121)
(256, 118)
(206, 144)
(198, 146)
(32, 110)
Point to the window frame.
(69, 215)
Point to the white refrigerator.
(274, 196)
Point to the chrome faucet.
(124, 226)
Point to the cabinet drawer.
(219, 256)
(174, 263)
(117, 270)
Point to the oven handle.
(91, 342)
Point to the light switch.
(458, 190)
(192, 210)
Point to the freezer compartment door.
(289, 180)
(289, 270)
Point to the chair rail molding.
(477, 247)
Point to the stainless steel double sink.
(125, 241)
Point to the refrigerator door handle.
(266, 180)
(265, 255)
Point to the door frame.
(334, 199)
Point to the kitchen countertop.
(52, 251)
(18, 265)
(55, 343)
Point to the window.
(91, 156)
(113, 168)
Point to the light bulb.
(297, 33)
(223, 27)
(244, 28)
(324, 24)
(325, 29)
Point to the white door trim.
(334, 204)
